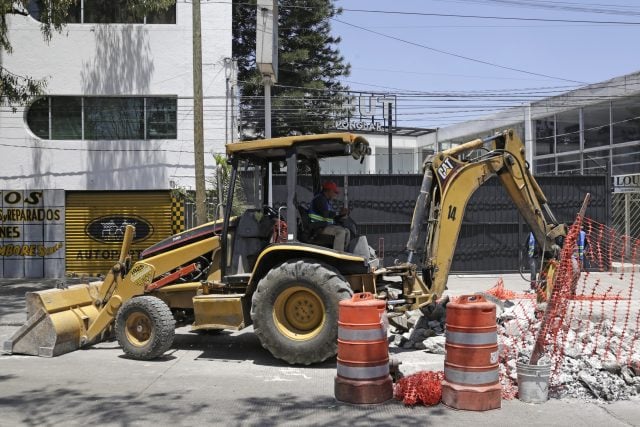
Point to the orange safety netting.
(499, 291)
(590, 312)
(422, 387)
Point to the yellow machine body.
(289, 290)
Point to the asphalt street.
(229, 379)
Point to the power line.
(455, 54)
(506, 18)
(513, 18)
(597, 8)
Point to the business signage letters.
(626, 183)
(31, 233)
(365, 112)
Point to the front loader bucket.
(56, 321)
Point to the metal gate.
(493, 233)
(625, 215)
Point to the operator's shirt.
(321, 209)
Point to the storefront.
(95, 224)
(32, 233)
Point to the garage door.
(95, 224)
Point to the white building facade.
(591, 130)
(112, 135)
(118, 110)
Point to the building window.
(626, 160)
(103, 118)
(105, 12)
(596, 162)
(108, 12)
(161, 118)
(569, 164)
(66, 117)
(38, 118)
(626, 120)
(545, 166)
(567, 131)
(596, 125)
(114, 118)
(162, 17)
(544, 136)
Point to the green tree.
(308, 89)
(17, 89)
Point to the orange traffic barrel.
(471, 372)
(363, 351)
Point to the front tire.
(145, 327)
(295, 311)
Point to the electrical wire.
(444, 52)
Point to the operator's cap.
(330, 185)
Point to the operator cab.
(296, 161)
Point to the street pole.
(198, 132)
(390, 131)
(267, 132)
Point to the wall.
(117, 59)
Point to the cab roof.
(320, 145)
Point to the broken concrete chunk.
(591, 382)
(612, 367)
(435, 345)
(399, 322)
(627, 375)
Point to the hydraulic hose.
(422, 206)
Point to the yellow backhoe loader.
(230, 273)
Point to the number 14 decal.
(452, 213)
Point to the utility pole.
(198, 132)
(266, 79)
(390, 136)
(267, 62)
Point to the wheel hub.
(299, 313)
(138, 329)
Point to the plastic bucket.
(533, 382)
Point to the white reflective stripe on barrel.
(363, 373)
(362, 334)
(471, 338)
(472, 378)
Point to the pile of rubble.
(421, 329)
(585, 370)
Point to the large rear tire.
(295, 311)
(145, 327)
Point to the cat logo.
(445, 168)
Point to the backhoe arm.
(450, 181)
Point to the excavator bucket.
(58, 319)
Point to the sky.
(480, 66)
